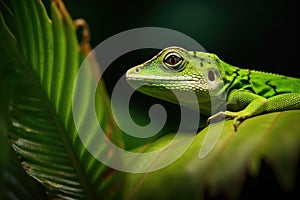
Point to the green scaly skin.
(247, 92)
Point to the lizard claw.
(216, 118)
(235, 124)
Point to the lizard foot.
(236, 116)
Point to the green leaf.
(14, 182)
(272, 138)
(45, 56)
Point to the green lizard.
(247, 92)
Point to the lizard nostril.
(137, 70)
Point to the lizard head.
(176, 69)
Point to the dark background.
(256, 34)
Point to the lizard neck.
(234, 77)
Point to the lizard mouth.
(150, 78)
(183, 83)
(159, 81)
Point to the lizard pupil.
(173, 60)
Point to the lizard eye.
(173, 60)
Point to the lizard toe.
(239, 118)
(216, 117)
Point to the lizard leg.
(248, 103)
(288, 101)
(257, 105)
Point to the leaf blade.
(225, 170)
(40, 108)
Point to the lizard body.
(247, 92)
